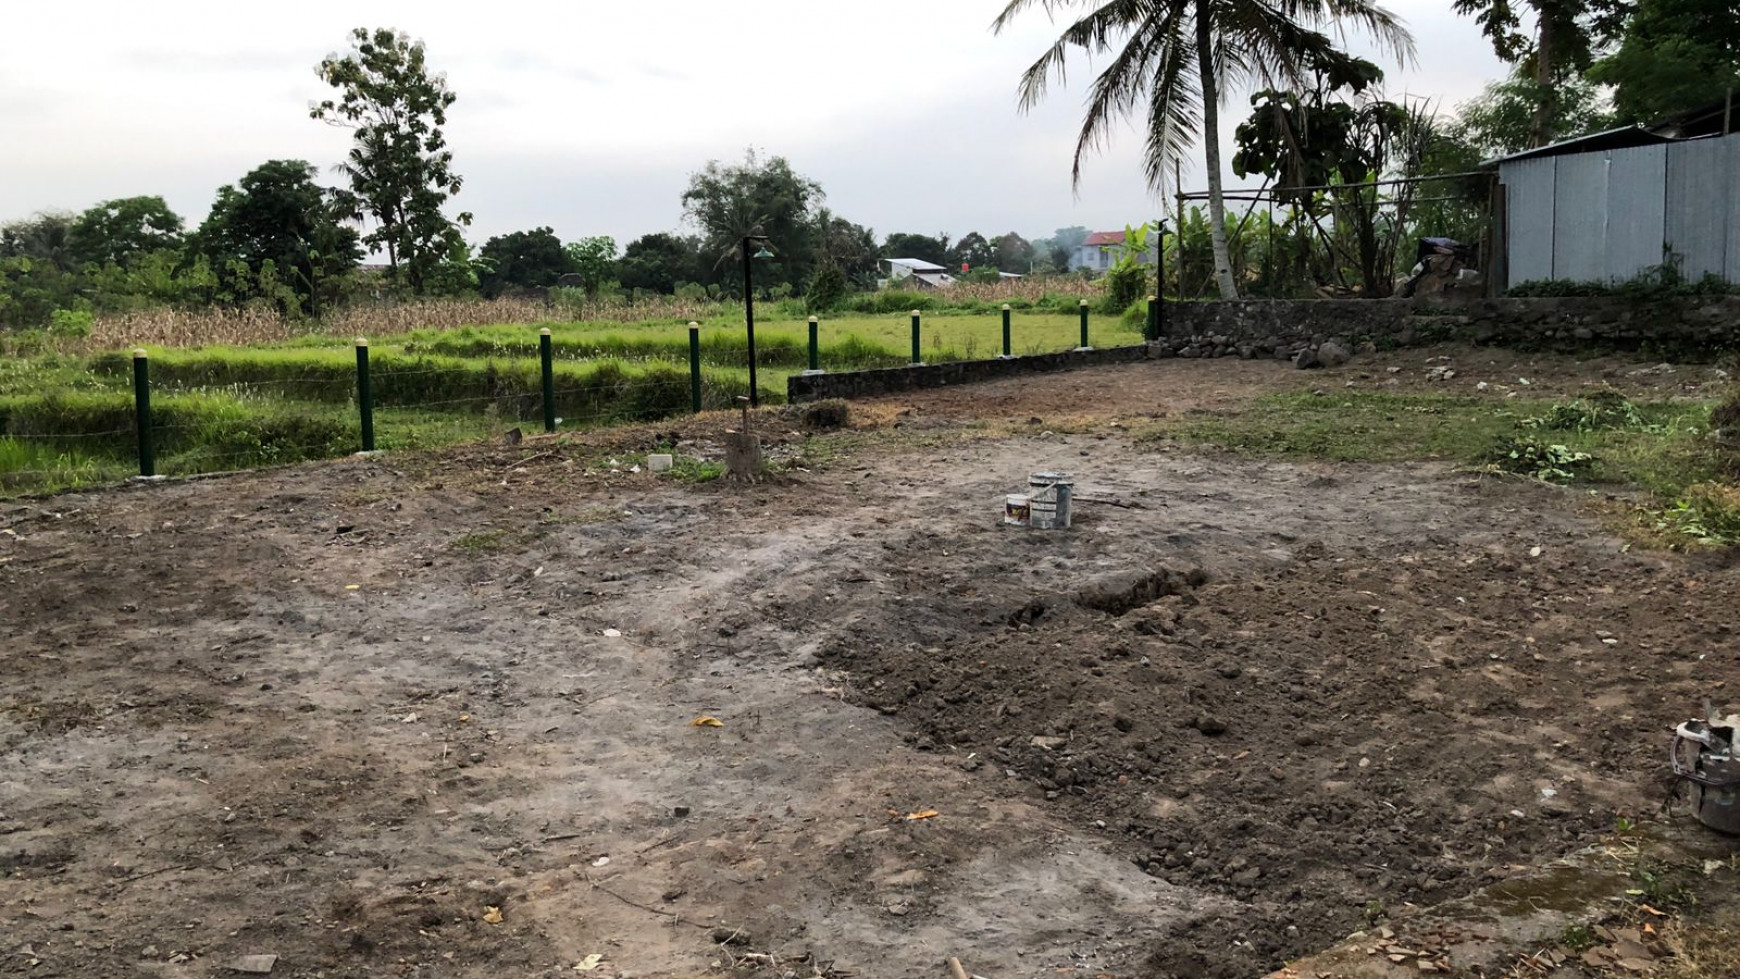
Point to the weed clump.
(1529, 456)
(1601, 410)
(827, 415)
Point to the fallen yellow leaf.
(706, 720)
(492, 915)
(351, 587)
(1649, 910)
(923, 814)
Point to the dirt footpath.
(436, 716)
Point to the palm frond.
(1093, 33)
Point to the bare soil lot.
(434, 715)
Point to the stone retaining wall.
(860, 384)
(1310, 332)
(1686, 327)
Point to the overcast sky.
(588, 116)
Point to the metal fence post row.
(142, 412)
(695, 366)
(547, 357)
(365, 395)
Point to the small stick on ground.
(955, 970)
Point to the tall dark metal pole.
(142, 413)
(749, 321)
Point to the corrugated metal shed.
(1698, 175)
(1529, 191)
(1608, 214)
(1636, 210)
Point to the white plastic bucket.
(1016, 510)
(1050, 494)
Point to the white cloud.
(588, 116)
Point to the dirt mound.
(1296, 741)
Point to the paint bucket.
(1016, 510)
(1050, 494)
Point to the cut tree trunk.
(744, 461)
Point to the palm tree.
(1178, 58)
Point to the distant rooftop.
(1105, 238)
(917, 264)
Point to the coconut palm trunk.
(1223, 276)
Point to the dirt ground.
(435, 715)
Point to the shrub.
(70, 323)
(1529, 456)
(829, 414)
(1603, 409)
(1707, 512)
(1124, 284)
(827, 287)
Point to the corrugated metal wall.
(1606, 216)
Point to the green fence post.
(548, 357)
(1084, 316)
(365, 395)
(142, 412)
(815, 352)
(1153, 318)
(1006, 330)
(917, 353)
(695, 366)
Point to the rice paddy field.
(67, 419)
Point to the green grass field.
(68, 421)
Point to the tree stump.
(744, 461)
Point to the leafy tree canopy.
(1506, 117)
(1675, 55)
(923, 247)
(592, 259)
(521, 260)
(276, 217)
(756, 197)
(658, 262)
(399, 166)
(119, 232)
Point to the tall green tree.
(658, 262)
(1013, 253)
(849, 247)
(1554, 48)
(1176, 59)
(592, 259)
(522, 260)
(756, 197)
(120, 232)
(399, 166)
(276, 223)
(973, 251)
(925, 248)
(1674, 55)
(1507, 117)
(47, 237)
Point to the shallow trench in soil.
(1222, 724)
